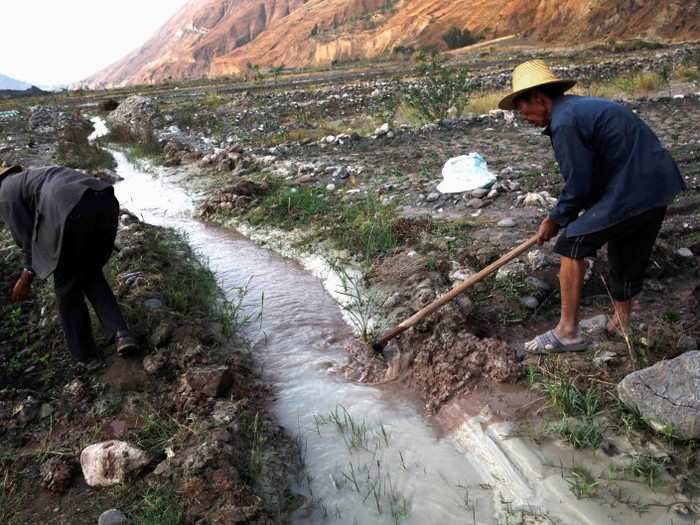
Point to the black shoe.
(125, 343)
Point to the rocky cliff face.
(220, 37)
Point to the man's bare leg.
(620, 321)
(571, 275)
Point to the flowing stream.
(370, 454)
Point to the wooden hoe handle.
(446, 298)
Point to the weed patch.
(158, 507)
(365, 226)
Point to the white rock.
(508, 222)
(594, 325)
(529, 302)
(108, 463)
(462, 274)
(685, 252)
(330, 187)
(330, 139)
(537, 259)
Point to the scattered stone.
(479, 193)
(667, 394)
(113, 517)
(537, 259)
(46, 410)
(393, 300)
(212, 381)
(529, 302)
(56, 474)
(685, 252)
(594, 325)
(537, 284)
(108, 463)
(475, 203)
(603, 358)
(462, 274)
(163, 333)
(153, 303)
(687, 343)
(330, 187)
(156, 363)
(513, 270)
(508, 222)
(432, 196)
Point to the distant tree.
(456, 38)
(276, 71)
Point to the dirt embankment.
(190, 398)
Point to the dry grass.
(687, 73)
(484, 101)
(640, 84)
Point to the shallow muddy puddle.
(371, 455)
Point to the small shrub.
(439, 90)
(75, 151)
(108, 105)
(456, 38)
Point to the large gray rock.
(137, 118)
(667, 394)
(108, 463)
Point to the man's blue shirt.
(613, 165)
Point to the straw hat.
(6, 170)
(530, 75)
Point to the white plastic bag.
(465, 173)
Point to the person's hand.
(21, 289)
(547, 230)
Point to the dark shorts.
(629, 249)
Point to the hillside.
(220, 37)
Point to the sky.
(58, 42)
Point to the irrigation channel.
(389, 464)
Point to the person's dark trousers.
(88, 241)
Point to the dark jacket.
(613, 165)
(35, 203)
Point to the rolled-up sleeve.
(575, 159)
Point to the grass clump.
(584, 433)
(582, 482)
(648, 468)
(365, 226)
(570, 401)
(158, 507)
(10, 499)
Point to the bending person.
(65, 223)
(618, 181)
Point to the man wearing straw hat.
(618, 181)
(65, 223)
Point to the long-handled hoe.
(446, 298)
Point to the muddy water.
(370, 454)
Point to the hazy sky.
(62, 41)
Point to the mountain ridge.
(209, 38)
